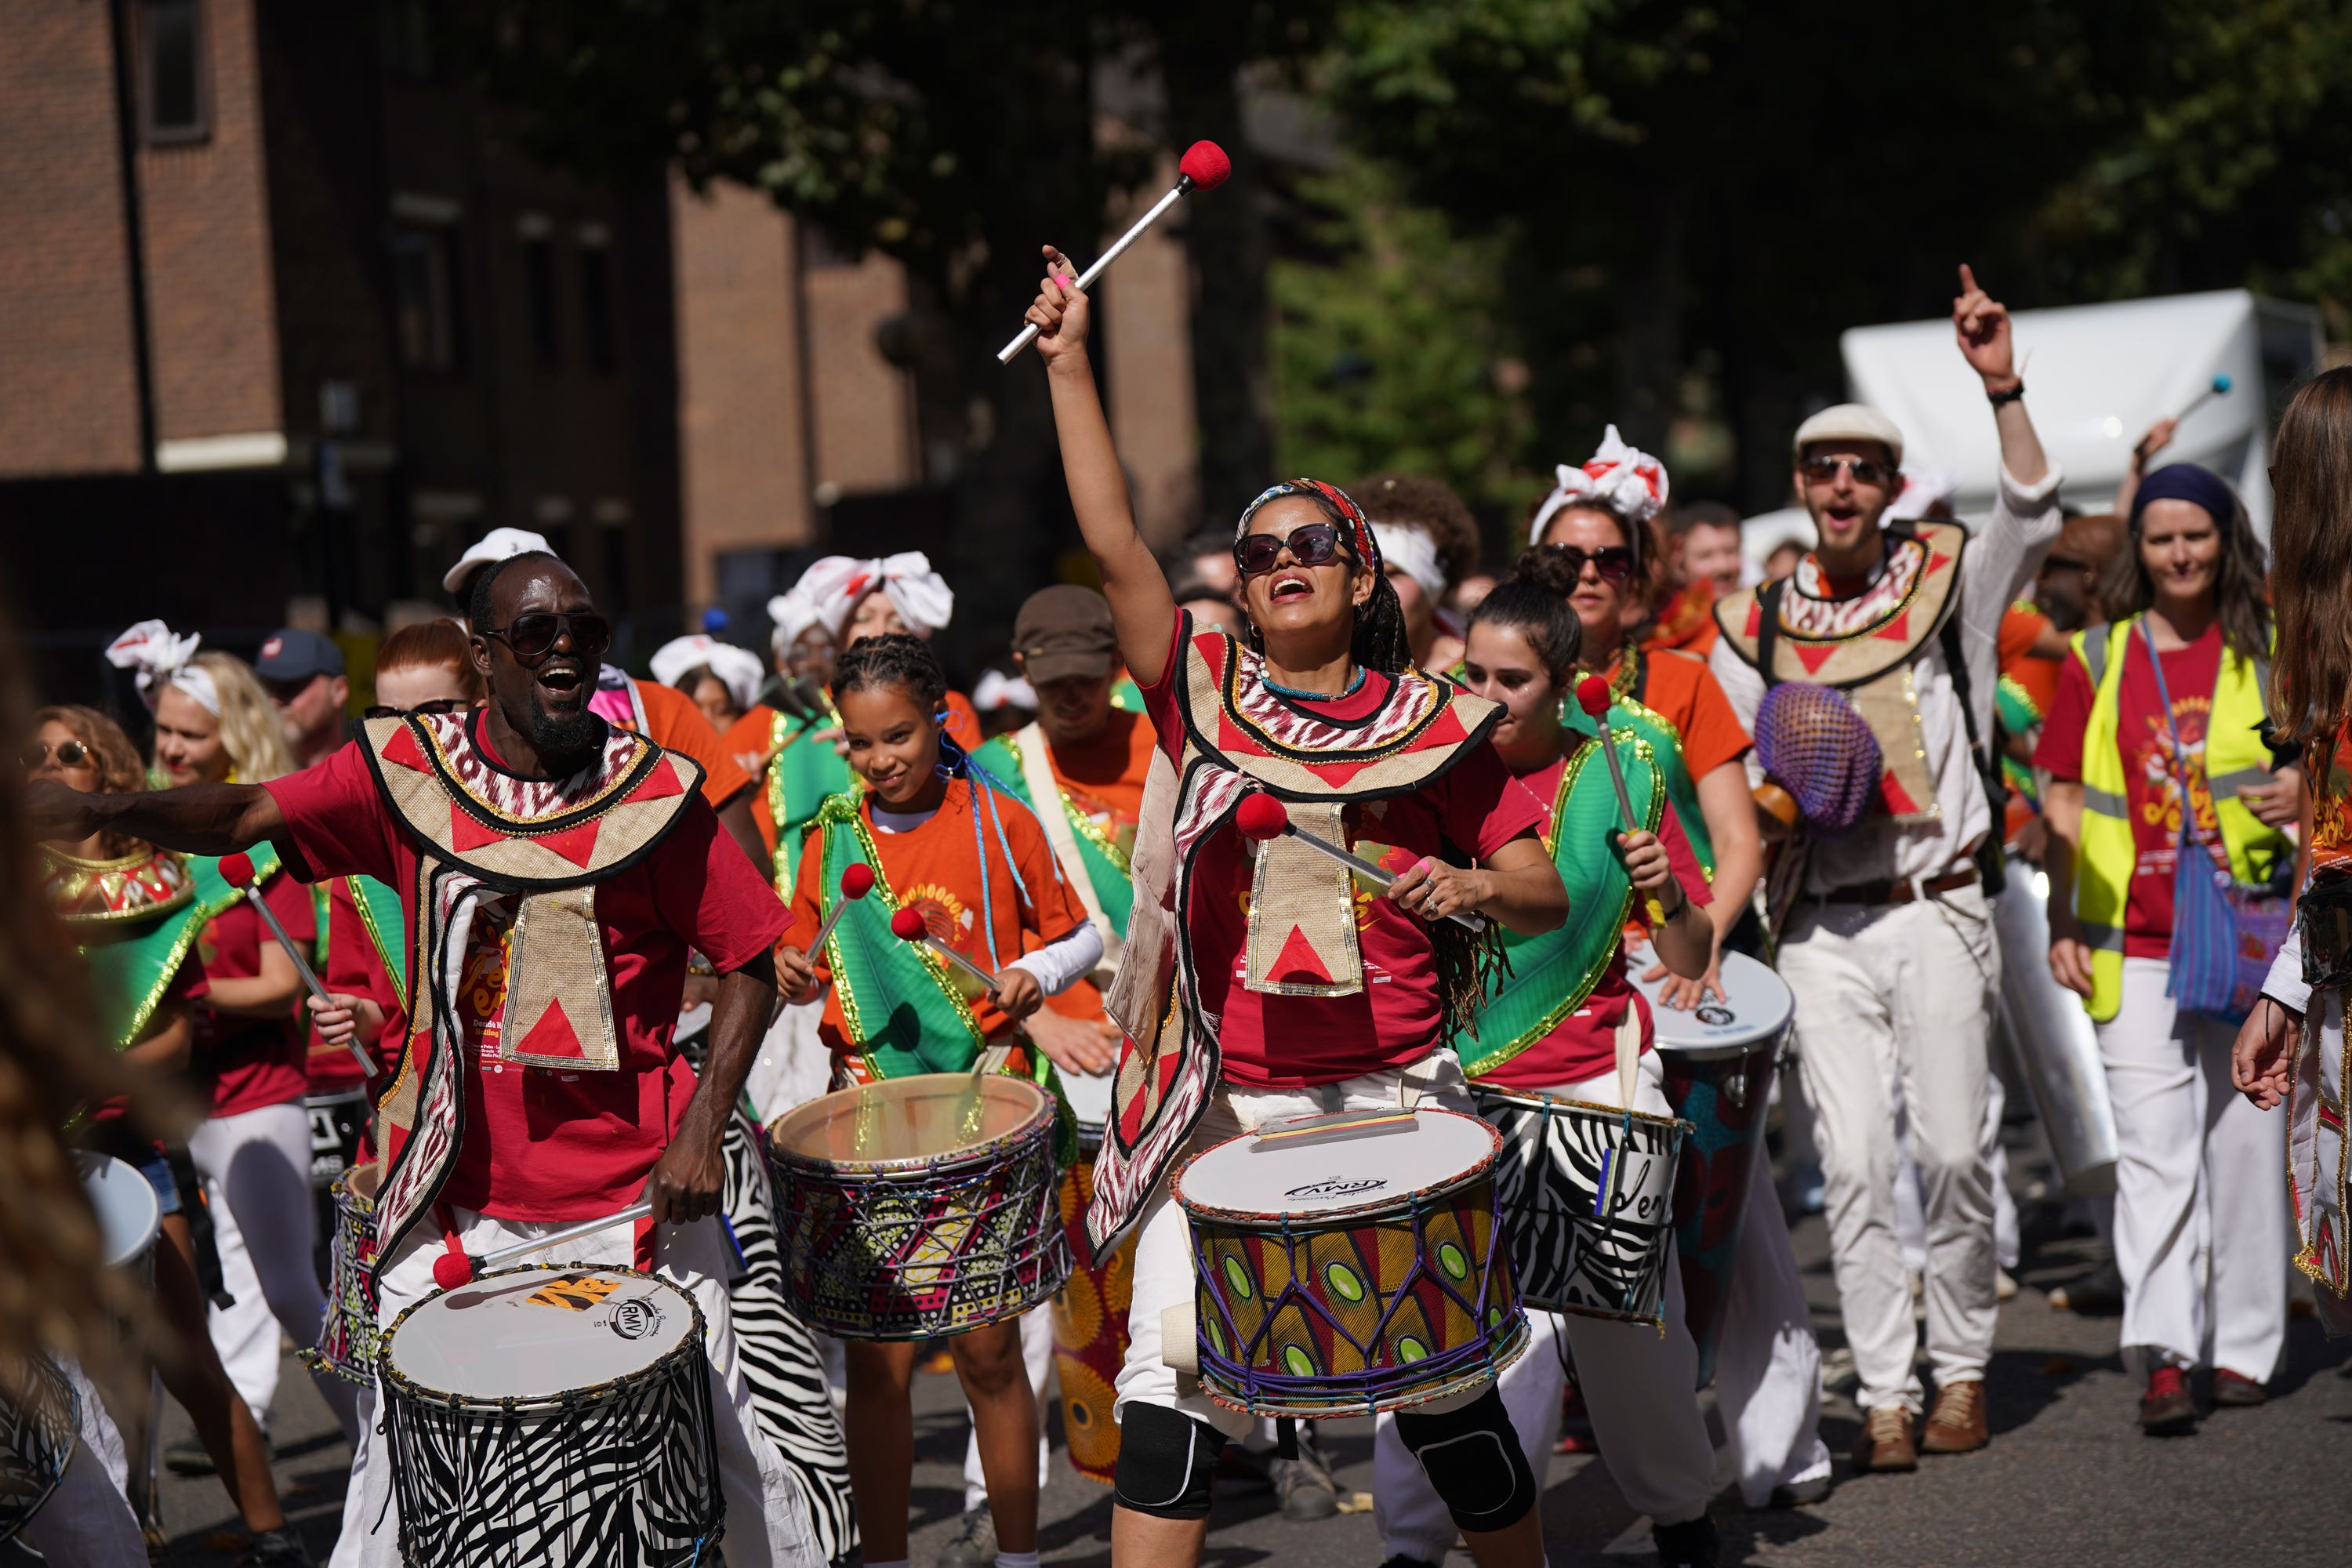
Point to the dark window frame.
(199, 127)
(599, 331)
(542, 307)
(434, 243)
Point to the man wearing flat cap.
(1884, 922)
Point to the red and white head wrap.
(830, 590)
(1626, 480)
(162, 659)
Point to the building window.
(596, 306)
(538, 284)
(425, 285)
(174, 104)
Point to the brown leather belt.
(1894, 892)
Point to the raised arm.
(1141, 608)
(1981, 323)
(200, 819)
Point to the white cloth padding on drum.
(1179, 1338)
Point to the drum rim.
(400, 1385)
(1729, 1050)
(337, 1097)
(1291, 1218)
(1496, 1365)
(346, 1196)
(1531, 1099)
(1042, 1118)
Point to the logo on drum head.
(1715, 1017)
(1338, 1187)
(635, 1319)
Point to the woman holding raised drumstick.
(973, 863)
(1330, 1019)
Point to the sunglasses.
(69, 754)
(1614, 562)
(532, 637)
(1310, 544)
(437, 705)
(1865, 470)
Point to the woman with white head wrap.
(1428, 540)
(723, 680)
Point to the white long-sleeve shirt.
(1998, 563)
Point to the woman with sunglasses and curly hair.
(213, 724)
(135, 912)
(1352, 1009)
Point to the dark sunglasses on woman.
(69, 754)
(1614, 562)
(533, 635)
(437, 705)
(1310, 544)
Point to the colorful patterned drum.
(908, 1211)
(1587, 1198)
(550, 1415)
(1346, 1266)
(1090, 1335)
(1718, 1061)
(347, 1335)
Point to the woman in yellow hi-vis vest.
(2154, 748)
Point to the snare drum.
(40, 1421)
(1587, 1198)
(552, 1415)
(337, 1123)
(1718, 1060)
(128, 1214)
(347, 1334)
(1350, 1271)
(906, 1217)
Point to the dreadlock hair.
(477, 594)
(1533, 601)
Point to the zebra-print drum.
(552, 1415)
(1348, 1264)
(347, 1334)
(1718, 1060)
(910, 1211)
(1587, 1194)
(40, 1421)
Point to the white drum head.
(1756, 1008)
(909, 1119)
(1089, 1097)
(128, 1214)
(534, 1333)
(1370, 1170)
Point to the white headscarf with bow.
(1628, 480)
(738, 668)
(162, 659)
(832, 588)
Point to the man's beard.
(565, 742)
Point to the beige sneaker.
(1886, 1443)
(1958, 1426)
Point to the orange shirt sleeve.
(1712, 735)
(673, 721)
(748, 737)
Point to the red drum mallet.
(1261, 817)
(1204, 167)
(238, 869)
(857, 881)
(908, 925)
(1592, 696)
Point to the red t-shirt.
(542, 1145)
(189, 981)
(247, 1064)
(2151, 792)
(1474, 807)
(355, 968)
(1584, 1044)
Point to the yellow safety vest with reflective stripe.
(2235, 758)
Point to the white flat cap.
(498, 544)
(1851, 422)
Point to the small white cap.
(1851, 422)
(498, 544)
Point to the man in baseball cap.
(303, 673)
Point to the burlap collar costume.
(483, 834)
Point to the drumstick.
(452, 1270)
(908, 925)
(1592, 696)
(238, 870)
(1261, 817)
(857, 881)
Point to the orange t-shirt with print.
(935, 869)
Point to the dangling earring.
(944, 769)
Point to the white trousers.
(1768, 1366)
(767, 1524)
(2202, 1210)
(1639, 1384)
(87, 1521)
(793, 1066)
(256, 1173)
(1902, 994)
(1910, 1202)
(1037, 1360)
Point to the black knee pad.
(1166, 1461)
(1474, 1462)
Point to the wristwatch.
(2007, 394)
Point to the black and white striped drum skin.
(347, 1334)
(552, 1415)
(40, 1421)
(1587, 1194)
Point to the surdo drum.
(1587, 1193)
(547, 1416)
(347, 1335)
(910, 1210)
(1717, 1059)
(1350, 1264)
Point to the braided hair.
(894, 658)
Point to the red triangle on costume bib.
(553, 1035)
(577, 845)
(1896, 630)
(403, 749)
(1899, 799)
(465, 833)
(1937, 561)
(1813, 655)
(1298, 965)
(660, 785)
